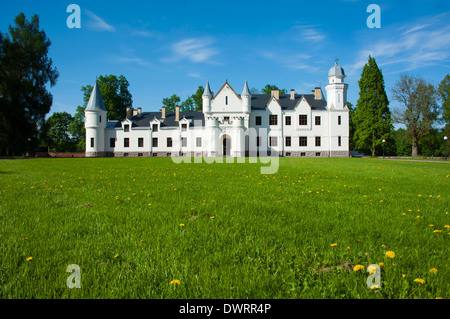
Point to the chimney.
(163, 112)
(177, 113)
(317, 93)
(135, 112)
(292, 94)
(276, 94)
(129, 112)
(139, 112)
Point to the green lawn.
(133, 225)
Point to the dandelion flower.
(403, 276)
(333, 245)
(433, 270)
(115, 256)
(431, 225)
(150, 204)
(437, 231)
(372, 269)
(390, 254)
(29, 258)
(374, 287)
(212, 217)
(358, 267)
(380, 265)
(181, 225)
(420, 281)
(175, 282)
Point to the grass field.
(150, 228)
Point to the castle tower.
(95, 117)
(207, 96)
(246, 99)
(336, 88)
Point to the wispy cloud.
(196, 50)
(98, 23)
(421, 45)
(310, 32)
(133, 60)
(291, 61)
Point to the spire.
(96, 101)
(207, 91)
(245, 91)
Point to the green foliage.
(26, 70)
(271, 242)
(418, 109)
(402, 143)
(171, 102)
(115, 94)
(372, 118)
(269, 87)
(444, 95)
(58, 137)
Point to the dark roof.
(145, 118)
(259, 101)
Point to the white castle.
(229, 125)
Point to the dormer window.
(126, 128)
(155, 127)
(184, 127)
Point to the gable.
(226, 100)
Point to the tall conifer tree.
(372, 118)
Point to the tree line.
(422, 111)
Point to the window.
(169, 142)
(198, 141)
(141, 142)
(184, 127)
(273, 141)
(339, 141)
(303, 120)
(302, 154)
(317, 120)
(126, 128)
(318, 154)
(339, 120)
(155, 142)
(288, 154)
(140, 154)
(303, 141)
(317, 140)
(126, 142)
(155, 154)
(112, 142)
(288, 120)
(273, 119)
(288, 141)
(125, 154)
(258, 120)
(226, 100)
(169, 154)
(99, 118)
(155, 127)
(92, 142)
(226, 119)
(183, 141)
(258, 141)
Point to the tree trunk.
(373, 152)
(415, 147)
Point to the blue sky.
(172, 47)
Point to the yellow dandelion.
(418, 216)
(437, 231)
(403, 214)
(333, 245)
(212, 217)
(141, 241)
(420, 281)
(420, 195)
(438, 196)
(403, 276)
(431, 225)
(380, 265)
(29, 258)
(358, 267)
(390, 254)
(433, 270)
(150, 204)
(409, 210)
(175, 282)
(181, 225)
(374, 287)
(371, 269)
(447, 226)
(115, 256)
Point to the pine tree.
(372, 118)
